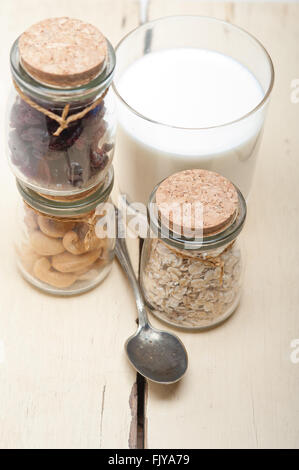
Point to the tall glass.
(148, 151)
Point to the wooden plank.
(65, 381)
(242, 389)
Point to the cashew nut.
(27, 257)
(53, 228)
(30, 220)
(43, 271)
(44, 245)
(94, 241)
(97, 243)
(96, 266)
(67, 262)
(80, 272)
(100, 263)
(72, 243)
(89, 275)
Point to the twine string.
(213, 261)
(64, 120)
(90, 219)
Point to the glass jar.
(165, 125)
(193, 284)
(61, 246)
(79, 157)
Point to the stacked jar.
(61, 133)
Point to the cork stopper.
(216, 195)
(63, 52)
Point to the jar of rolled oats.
(63, 246)
(191, 261)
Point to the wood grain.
(242, 390)
(65, 381)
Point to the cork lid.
(63, 52)
(197, 200)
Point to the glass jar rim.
(208, 242)
(62, 95)
(147, 25)
(68, 208)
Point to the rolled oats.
(192, 291)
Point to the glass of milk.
(191, 92)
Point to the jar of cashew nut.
(191, 262)
(63, 247)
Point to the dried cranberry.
(32, 117)
(93, 124)
(51, 125)
(34, 134)
(81, 143)
(72, 135)
(14, 140)
(106, 147)
(19, 157)
(98, 160)
(37, 154)
(51, 155)
(23, 115)
(16, 117)
(57, 160)
(19, 150)
(66, 139)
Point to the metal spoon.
(143, 18)
(157, 355)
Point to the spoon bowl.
(157, 355)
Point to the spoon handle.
(123, 257)
(143, 18)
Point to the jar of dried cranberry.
(61, 120)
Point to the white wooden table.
(64, 378)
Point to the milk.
(187, 98)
